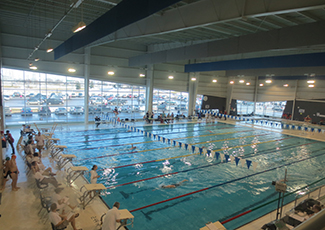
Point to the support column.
(86, 83)
(1, 115)
(229, 96)
(294, 101)
(192, 92)
(149, 88)
(255, 94)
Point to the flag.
(248, 163)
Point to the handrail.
(260, 206)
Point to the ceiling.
(234, 19)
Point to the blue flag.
(237, 159)
(226, 157)
(217, 155)
(248, 163)
(193, 148)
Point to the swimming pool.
(134, 177)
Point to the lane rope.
(224, 183)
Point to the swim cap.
(7, 158)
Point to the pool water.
(135, 177)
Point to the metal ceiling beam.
(305, 35)
(123, 14)
(107, 2)
(210, 12)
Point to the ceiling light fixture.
(110, 73)
(241, 81)
(261, 84)
(33, 67)
(214, 81)
(170, 77)
(49, 50)
(142, 75)
(248, 83)
(268, 81)
(36, 59)
(80, 26)
(231, 82)
(285, 85)
(193, 79)
(311, 81)
(311, 86)
(71, 70)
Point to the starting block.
(65, 159)
(125, 215)
(214, 226)
(56, 149)
(74, 172)
(51, 141)
(95, 188)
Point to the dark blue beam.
(288, 61)
(123, 14)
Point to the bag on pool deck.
(306, 205)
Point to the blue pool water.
(235, 189)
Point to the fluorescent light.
(36, 59)
(33, 67)
(268, 81)
(142, 75)
(285, 85)
(241, 81)
(231, 82)
(80, 26)
(214, 81)
(248, 83)
(171, 77)
(193, 79)
(311, 81)
(110, 73)
(311, 86)
(49, 50)
(71, 70)
(261, 84)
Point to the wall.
(316, 110)
(214, 103)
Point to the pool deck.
(23, 206)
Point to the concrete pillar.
(255, 94)
(192, 92)
(1, 115)
(230, 88)
(86, 82)
(149, 88)
(294, 100)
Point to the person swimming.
(132, 147)
(172, 185)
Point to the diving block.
(214, 226)
(56, 149)
(125, 215)
(74, 172)
(51, 141)
(94, 188)
(48, 134)
(65, 159)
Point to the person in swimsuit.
(132, 147)
(172, 185)
(14, 173)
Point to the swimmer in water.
(172, 185)
(132, 147)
